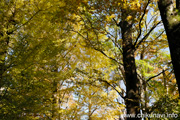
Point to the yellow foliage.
(174, 81)
(113, 16)
(129, 17)
(113, 94)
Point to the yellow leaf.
(129, 17)
(113, 16)
(174, 81)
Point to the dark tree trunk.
(132, 82)
(171, 21)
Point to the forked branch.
(140, 31)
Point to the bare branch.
(69, 51)
(116, 22)
(159, 35)
(107, 56)
(147, 35)
(152, 18)
(114, 41)
(140, 31)
(156, 75)
(122, 72)
(30, 18)
(112, 87)
(116, 44)
(77, 33)
(93, 111)
(100, 79)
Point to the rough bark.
(132, 82)
(171, 20)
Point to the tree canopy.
(85, 60)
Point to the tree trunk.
(171, 21)
(132, 82)
(54, 99)
(144, 89)
(54, 94)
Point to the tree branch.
(140, 31)
(159, 35)
(156, 75)
(116, 22)
(107, 56)
(101, 80)
(93, 111)
(76, 32)
(112, 87)
(30, 18)
(147, 35)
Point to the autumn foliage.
(84, 59)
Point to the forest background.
(84, 59)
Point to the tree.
(33, 61)
(122, 39)
(171, 20)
